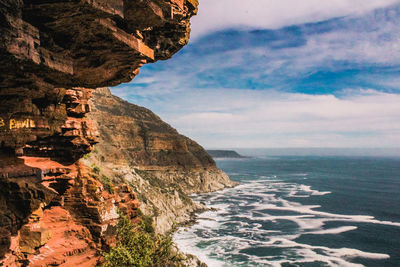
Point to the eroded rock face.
(56, 214)
(130, 133)
(52, 52)
(49, 47)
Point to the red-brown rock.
(52, 212)
(60, 214)
(47, 46)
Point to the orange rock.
(69, 243)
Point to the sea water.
(301, 211)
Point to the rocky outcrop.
(163, 166)
(51, 53)
(45, 203)
(49, 47)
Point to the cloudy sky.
(282, 73)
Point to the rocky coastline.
(60, 207)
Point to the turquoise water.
(301, 211)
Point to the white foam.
(246, 213)
(299, 174)
(307, 189)
(208, 223)
(184, 240)
(334, 231)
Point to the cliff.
(51, 51)
(163, 166)
(54, 211)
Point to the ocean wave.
(258, 223)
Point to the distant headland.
(225, 154)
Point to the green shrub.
(147, 224)
(135, 248)
(87, 156)
(105, 180)
(95, 169)
(138, 247)
(107, 184)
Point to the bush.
(87, 156)
(137, 247)
(105, 180)
(152, 179)
(147, 224)
(107, 184)
(95, 169)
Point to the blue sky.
(269, 73)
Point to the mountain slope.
(161, 165)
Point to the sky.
(282, 73)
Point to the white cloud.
(247, 118)
(230, 117)
(356, 45)
(366, 41)
(272, 14)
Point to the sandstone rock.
(69, 244)
(51, 53)
(33, 237)
(48, 46)
(135, 135)
(5, 241)
(69, 206)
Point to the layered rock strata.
(58, 215)
(51, 53)
(163, 166)
(47, 46)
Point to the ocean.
(301, 211)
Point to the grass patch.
(87, 156)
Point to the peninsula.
(225, 154)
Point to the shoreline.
(194, 219)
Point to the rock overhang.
(53, 50)
(52, 53)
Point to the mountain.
(162, 166)
(224, 154)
